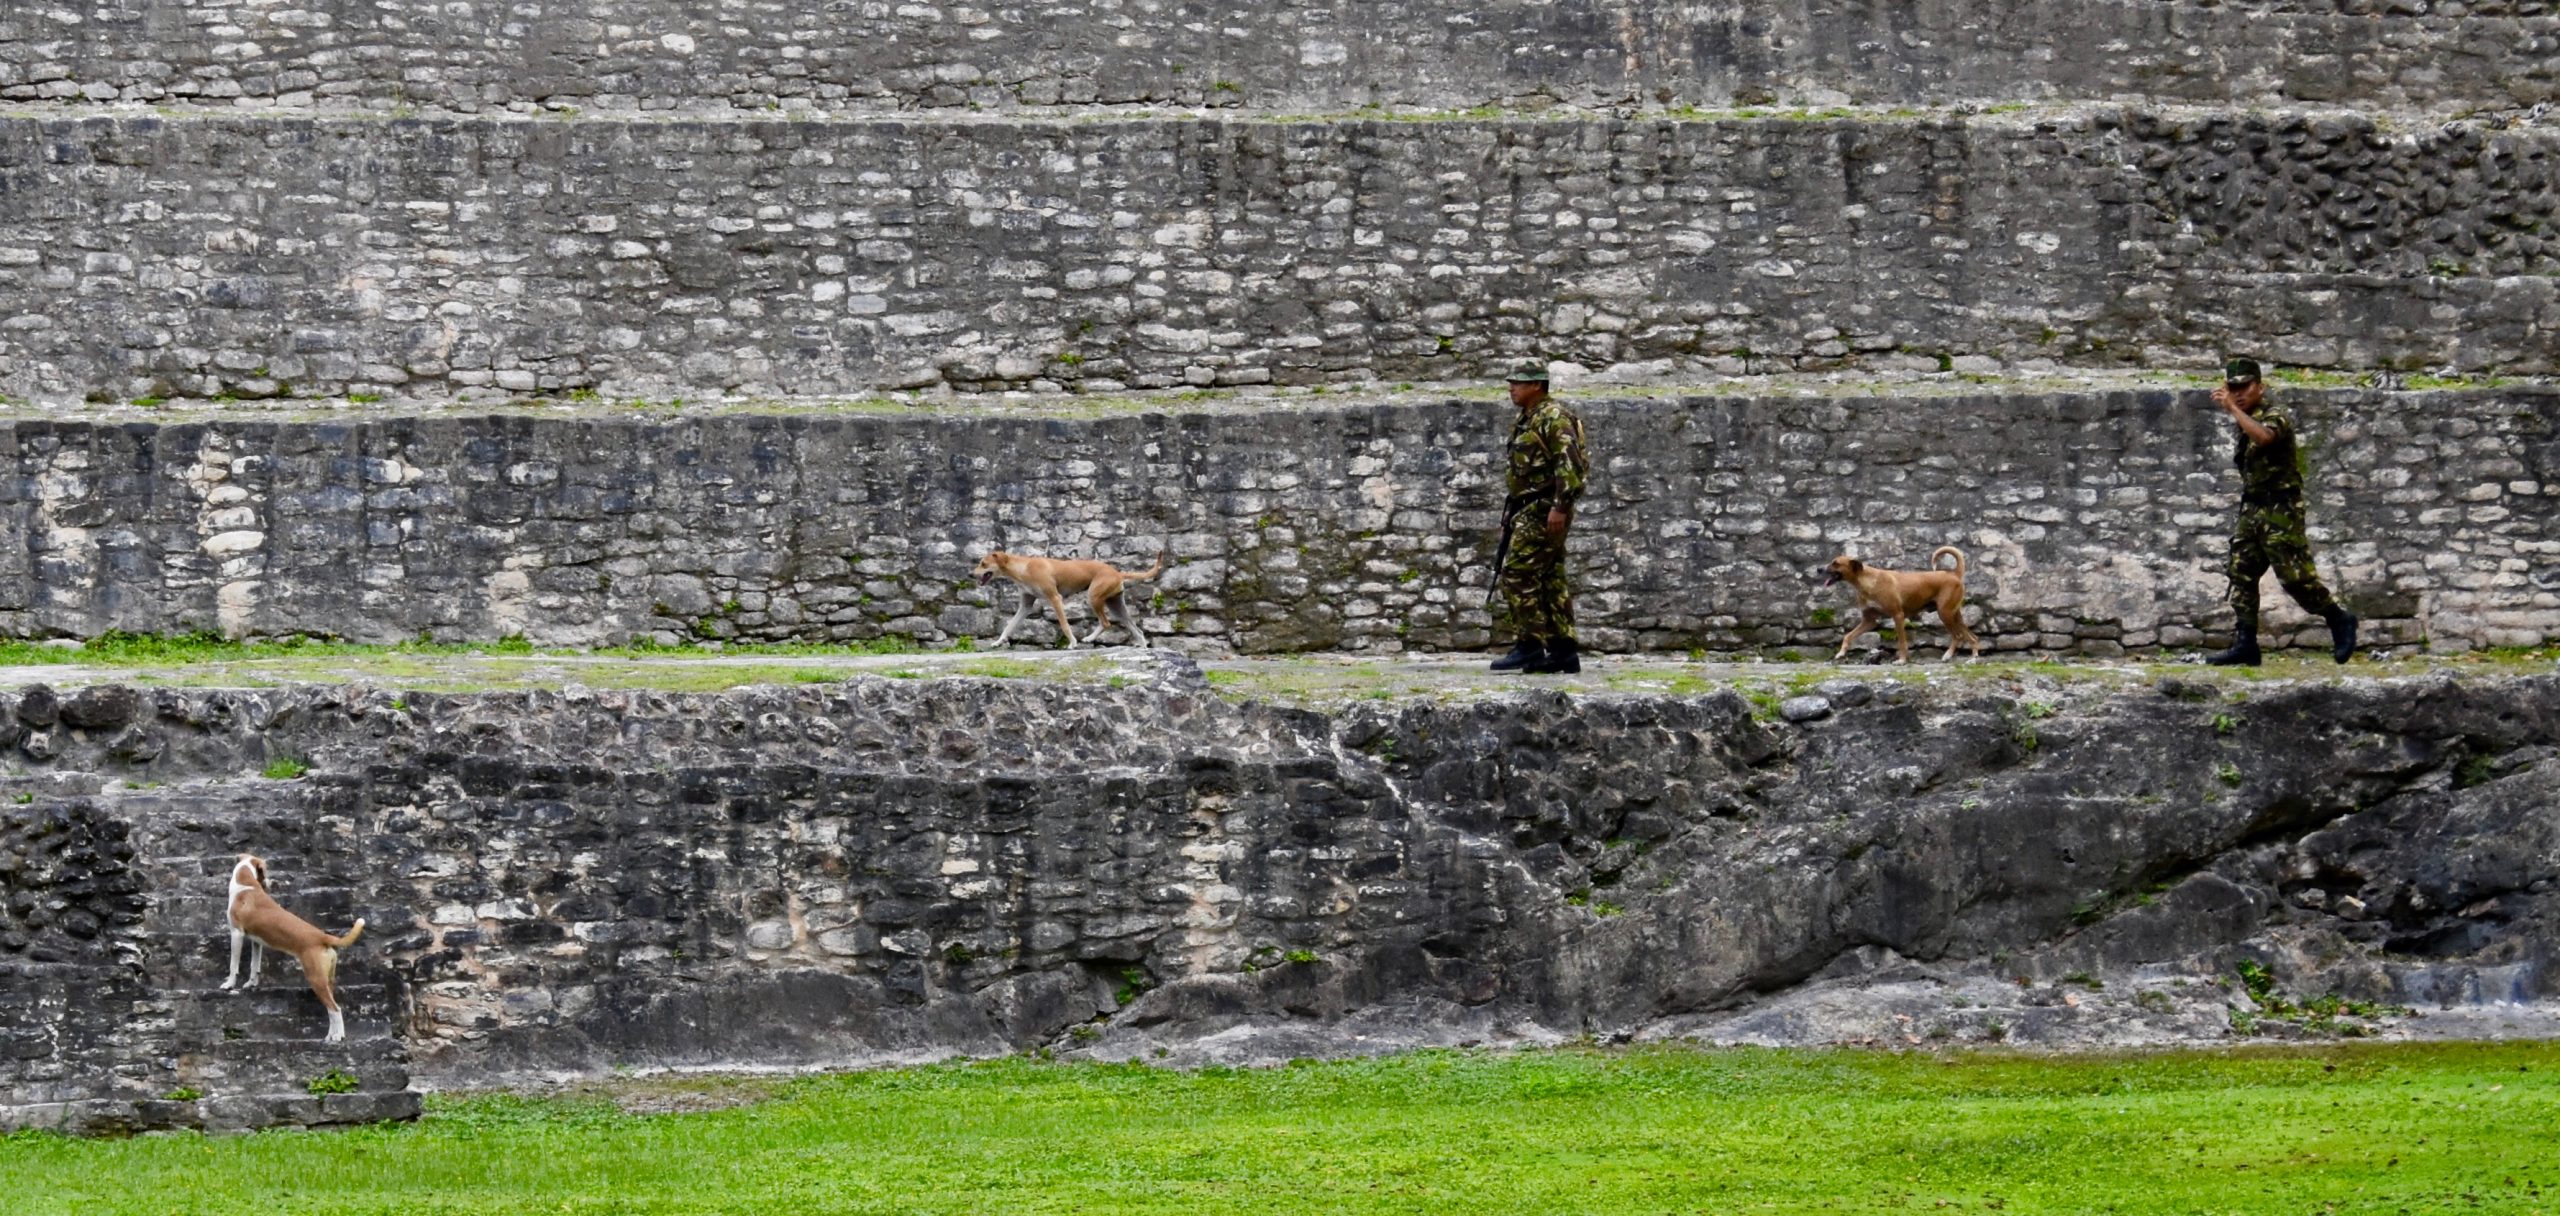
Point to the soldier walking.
(1548, 467)
(2269, 531)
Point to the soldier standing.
(2269, 531)
(1548, 466)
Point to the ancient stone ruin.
(596, 323)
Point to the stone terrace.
(796, 55)
(2094, 518)
(887, 870)
(796, 200)
(221, 255)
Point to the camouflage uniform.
(1548, 468)
(2269, 531)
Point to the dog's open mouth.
(1829, 577)
(985, 577)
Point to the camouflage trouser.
(1536, 602)
(2272, 536)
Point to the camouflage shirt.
(2270, 473)
(1547, 458)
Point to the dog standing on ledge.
(256, 916)
(1055, 578)
(1903, 594)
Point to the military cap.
(2240, 372)
(1528, 371)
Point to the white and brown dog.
(1903, 594)
(1054, 579)
(257, 918)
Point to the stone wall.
(826, 54)
(113, 944)
(888, 870)
(2094, 521)
(254, 257)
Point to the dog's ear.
(1855, 565)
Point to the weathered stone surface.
(111, 960)
(570, 881)
(829, 55)
(2095, 522)
(441, 258)
(1804, 709)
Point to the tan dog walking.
(1903, 594)
(258, 918)
(1053, 579)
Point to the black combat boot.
(2342, 634)
(1526, 654)
(1564, 658)
(2243, 652)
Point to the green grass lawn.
(2362, 1128)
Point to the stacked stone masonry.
(113, 947)
(830, 55)
(254, 257)
(895, 870)
(2095, 522)
(263, 200)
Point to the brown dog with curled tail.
(1903, 594)
(1053, 579)
(258, 919)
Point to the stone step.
(198, 973)
(218, 1113)
(214, 868)
(286, 1038)
(1774, 387)
(284, 1014)
(1634, 291)
(246, 1083)
(252, 1066)
(251, 1057)
(252, 1111)
(331, 908)
(350, 992)
(808, 56)
(1957, 113)
(219, 898)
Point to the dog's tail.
(1946, 550)
(1152, 571)
(340, 943)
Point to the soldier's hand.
(2222, 397)
(1557, 518)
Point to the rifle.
(1502, 549)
